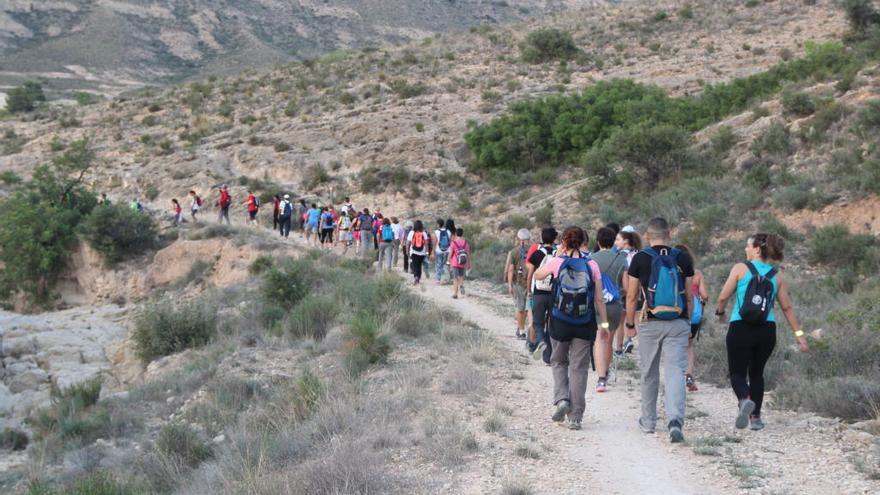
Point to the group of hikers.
(583, 301)
(577, 304)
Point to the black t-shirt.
(640, 268)
(535, 259)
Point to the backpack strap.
(752, 269)
(772, 273)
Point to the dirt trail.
(611, 448)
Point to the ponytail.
(772, 246)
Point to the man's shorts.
(313, 228)
(458, 272)
(252, 215)
(519, 298)
(615, 314)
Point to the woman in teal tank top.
(750, 343)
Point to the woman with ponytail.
(756, 285)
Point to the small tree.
(549, 44)
(117, 231)
(25, 97)
(861, 14)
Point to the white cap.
(408, 224)
(523, 235)
(628, 228)
(287, 196)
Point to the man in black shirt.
(541, 297)
(655, 334)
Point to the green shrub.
(798, 103)
(405, 90)
(861, 15)
(9, 178)
(117, 231)
(774, 141)
(164, 328)
(287, 284)
(836, 247)
(150, 120)
(365, 343)
(94, 483)
(24, 98)
(184, 444)
(869, 117)
(547, 45)
(312, 317)
(315, 176)
(308, 391)
(723, 140)
(261, 264)
(13, 439)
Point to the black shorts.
(326, 235)
(252, 215)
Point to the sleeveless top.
(743, 283)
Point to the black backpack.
(759, 297)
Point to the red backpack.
(224, 199)
(418, 241)
(199, 200)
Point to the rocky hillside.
(108, 46)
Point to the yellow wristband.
(604, 325)
(799, 333)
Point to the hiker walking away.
(276, 212)
(700, 291)
(629, 243)
(365, 230)
(386, 245)
(459, 261)
(664, 276)
(377, 226)
(442, 240)
(399, 236)
(136, 205)
(178, 212)
(328, 225)
(613, 266)
(285, 214)
(313, 218)
(541, 295)
(348, 207)
(516, 276)
(404, 245)
(417, 242)
(300, 216)
(344, 228)
(751, 336)
(578, 311)
(195, 205)
(253, 207)
(104, 200)
(224, 202)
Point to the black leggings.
(417, 261)
(748, 349)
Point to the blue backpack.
(387, 233)
(697, 314)
(573, 292)
(665, 298)
(610, 292)
(443, 242)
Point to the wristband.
(604, 325)
(799, 333)
(630, 325)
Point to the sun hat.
(523, 235)
(287, 196)
(628, 228)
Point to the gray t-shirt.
(613, 264)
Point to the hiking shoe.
(455, 296)
(461, 289)
(539, 351)
(755, 423)
(562, 408)
(618, 354)
(645, 429)
(601, 384)
(691, 384)
(746, 406)
(628, 346)
(573, 424)
(675, 434)
(520, 335)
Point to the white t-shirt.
(437, 237)
(398, 231)
(413, 250)
(194, 205)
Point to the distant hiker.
(276, 212)
(104, 200)
(665, 278)
(136, 205)
(613, 266)
(629, 243)
(541, 295)
(404, 245)
(348, 207)
(399, 237)
(300, 216)
(700, 297)
(417, 242)
(313, 218)
(328, 225)
(344, 230)
(364, 225)
(377, 225)
(578, 311)
(386, 245)
(285, 215)
(459, 261)
(516, 276)
(178, 212)
(253, 207)
(195, 205)
(442, 241)
(224, 201)
(751, 336)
